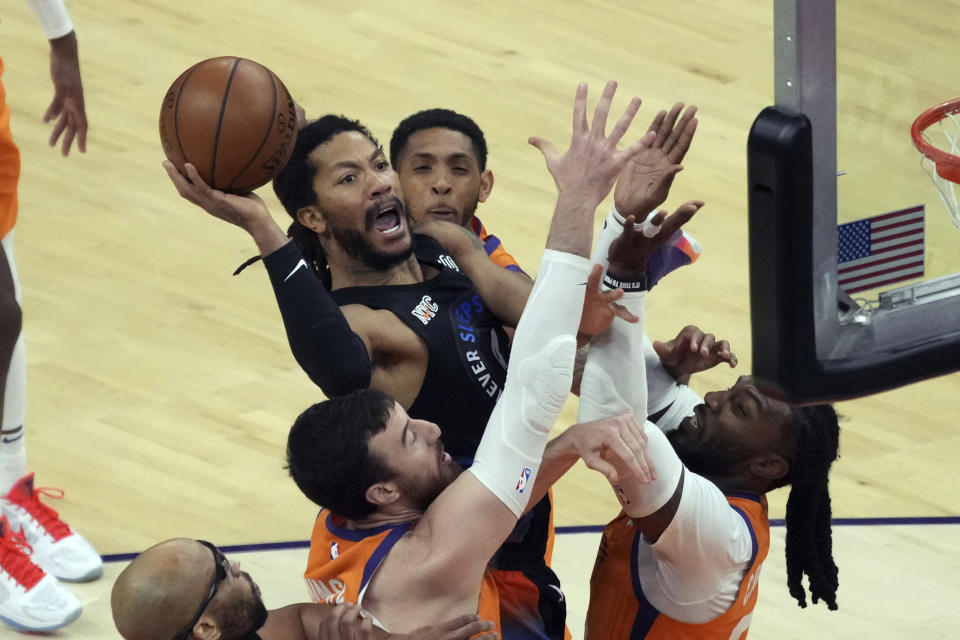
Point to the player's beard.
(242, 616)
(423, 493)
(710, 460)
(357, 244)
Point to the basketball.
(233, 119)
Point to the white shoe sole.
(21, 626)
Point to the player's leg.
(32, 599)
(13, 463)
(56, 547)
(13, 457)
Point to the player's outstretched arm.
(467, 523)
(612, 381)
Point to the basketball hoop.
(940, 146)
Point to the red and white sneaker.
(30, 599)
(57, 549)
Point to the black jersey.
(466, 371)
(467, 346)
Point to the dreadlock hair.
(294, 186)
(438, 119)
(814, 435)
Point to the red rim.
(948, 165)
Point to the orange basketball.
(231, 118)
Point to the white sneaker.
(57, 549)
(30, 600)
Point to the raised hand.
(631, 251)
(585, 173)
(67, 106)
(592, 163)
(600, 307)
(644, 183)
(693, 351)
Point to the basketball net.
(936, 134)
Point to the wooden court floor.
(161, 388)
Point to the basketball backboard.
(812, 341)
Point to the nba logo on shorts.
(522, 482)
(334, 551)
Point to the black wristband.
(627, 283)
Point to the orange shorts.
(9, 166)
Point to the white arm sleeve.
(663, 390)
(614, 382)
(538, 381)
(693, 571)
(53, 17)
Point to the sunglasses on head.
(222, 565)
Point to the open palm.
(644, 183)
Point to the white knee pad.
(545, 380)
(599, 397)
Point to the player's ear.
(206, 628)
(382, 494)
(311, 217)
(486, 185)
(769, 466)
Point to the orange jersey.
(342, 562)
(9, 166)
(618, 608)
(493, 247)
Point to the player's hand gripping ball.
(231, 118)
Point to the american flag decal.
(875, 252)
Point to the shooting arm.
(323, 343)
